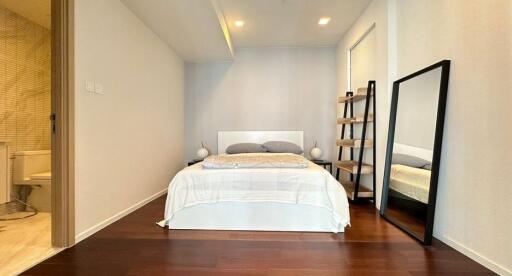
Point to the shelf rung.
(359, 96)
(350, 166)
(349, 99)
(355, 120)
(350, 190)
(354, 143)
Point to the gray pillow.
(409, 160)
(282, 147)
(245, 148)
(427, 167)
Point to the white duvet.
(309, 186)
(412, 182)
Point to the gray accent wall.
(263, 89)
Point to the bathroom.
(25, 132)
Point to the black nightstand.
(324, 163)
(195, 161)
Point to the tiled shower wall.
(25, 76)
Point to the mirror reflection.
(413, 146)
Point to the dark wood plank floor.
(136, 246)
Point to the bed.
(264, 199)
(411, 182)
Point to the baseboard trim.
(475, 256)
(87, 233)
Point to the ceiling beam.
(223, 26)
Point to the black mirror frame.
(436, 158)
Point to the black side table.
(195, 161)
(324, 163)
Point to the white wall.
(263, 89)
(375, 13)
(129, 141)
(474, 210)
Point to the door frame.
(62, 97)
(349, 54)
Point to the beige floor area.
(24, 243)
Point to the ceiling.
(278, 23)
(203, 30)
(190, 27)
(38, 11)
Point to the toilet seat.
(41, 176)
(36, 179)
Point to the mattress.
(410, 181)
(311, 186)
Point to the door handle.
(53, 118)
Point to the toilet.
(33, 168)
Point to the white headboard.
(227, 138)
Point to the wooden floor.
(413, 223)
(24, 242)
(136, 246)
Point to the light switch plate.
(89, 86)
(98, 87)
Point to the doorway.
(361, 60)
(36, 126)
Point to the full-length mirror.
(413, 150)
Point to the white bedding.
(412, 182)
(311, 186)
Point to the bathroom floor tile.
(24, 242)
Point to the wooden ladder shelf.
(355, 167)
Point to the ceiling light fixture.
(239, 23)
(324, 21)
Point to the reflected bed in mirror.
(414, 149)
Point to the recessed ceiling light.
(239, 23)
(324, 21)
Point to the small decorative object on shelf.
(202, 153)
(315, 152)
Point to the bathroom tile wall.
(25, 83)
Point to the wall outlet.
(89, 86)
